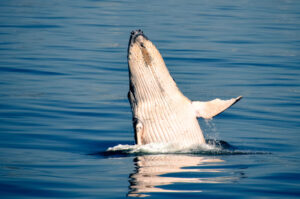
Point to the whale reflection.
(150, 173)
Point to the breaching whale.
(160, 112)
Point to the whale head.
(148, 73)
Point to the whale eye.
(142, 45)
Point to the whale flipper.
(212, 108)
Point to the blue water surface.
(63, 97)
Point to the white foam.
(160, 148)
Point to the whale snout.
(137, 35)
(136, 32)
(138, 48)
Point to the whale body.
(160, 112)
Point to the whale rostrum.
(160, 112)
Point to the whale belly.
(169, 122)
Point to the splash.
(213, 147)
(210, 129)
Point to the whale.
(160, 111)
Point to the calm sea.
(63, 98)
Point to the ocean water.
(65, 121)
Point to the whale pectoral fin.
(212, 108)
(138, 131)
